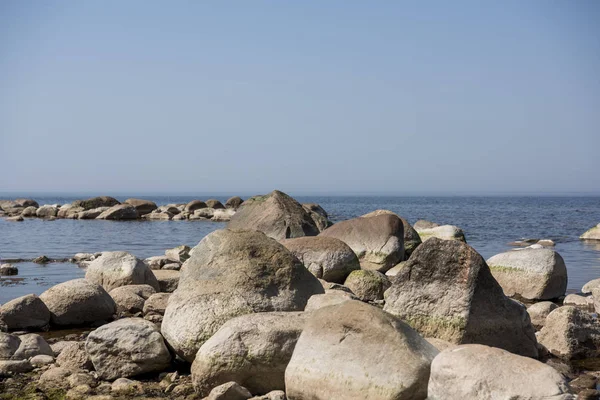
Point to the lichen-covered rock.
(25, 312)
(127, 347)
(356, 351)
(277, 215)
(232, 273)
(592, 233)
(531, 274)
(539, 311)
(367, 285)
(77, 302)
(325, 257)
(120, 212)
(445, 232)
(252, 350)
(475, 371)
(446, 291)
(378, 241)
(571, 333)
(142, 206)
(118, 268)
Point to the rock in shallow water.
(8, 270)
(592, 233)
(118, 268)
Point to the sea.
(489, 223)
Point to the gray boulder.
(14, 367)
(26, 312)
(213, 203)
(446, 291)
(8, 270)
(77, 302)
(32, 345)
(277, 215)
(26, 203)
(411, 237)
(252, 350)
(356, 351)
(157, 262)
(168, 280)
(329, 298)
(130, 299)
(539, 311)
(92, 213)
(127, 347)
(424, 224)
(142, 206)
(178, 254)
(29, 212)
(9, 344)
(95, 202)
(73, 357)
(475, 371)
(234, 202)
(118, 268)
(592, 233)
(120, 212)
(367, 285)
(531, 274)
(318, 215)
(587, 288)
(229, 391)
(445, 232)
(195, 205)
(326, 258)
(378, 241)
(46, 211)
(157, 303)
(68, 211)
(232, 273)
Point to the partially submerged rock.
(118, 268)
(8, 270)
(142, 206)
(446, 291)
(120, 212)
(592, 233)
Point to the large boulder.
(32, 345)
(447, 291)
(367, 285)
(46, 211)
(29, 212)
(446, 232)
(168, 280)
(118, 268)
(329, 298)
(26, 203)
(131, 298)
(214, 203)
(68, 211)
(95, 202)
(325, 257)
(92, 213)
(318, 215)
(234, 202)
(127, 347)
(411, 237)
(356, 351)
(252, 350)
(142, 206)
(531, 274)
(378, 241)
(77, 302)
(474, 371)
(25, 312)
(194, 205)
(277, 215)
(73, 357)
(232, 273)
(9, 344)
(571, 333)
(120, 212)
(592, 233)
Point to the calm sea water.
(489, 224)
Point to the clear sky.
(310, 97)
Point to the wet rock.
(77, 302)
(277, 215)
(367, 285)
(539, 311)
(532, 274)
(234, 202)
(74, 357)
(445, 232)
(41, 260)
(142, 207)
(571, 333)
(26, 312)
(8, 270)
(126, 348)
(480, 372)
(120, 212)
(378, 241)
(356, 351)
(232, 273)
(118, 268)
(216, 204)
(178, 254)
(325, 257)
(253, 350)
(446, 291)
(592, 233)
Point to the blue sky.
(310, 97)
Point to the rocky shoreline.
(284, 304)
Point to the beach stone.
(229, 391)
(586, 302)
(178, 254)
(120, 212)
(411, 237)
(571, 333)
(329, 298)
(169, 208)
(142, 206)
(474, 371)
(378, 241)
(157, 215)
(539, 311)
(95, 202)
(252, 350)
(157, 262)
(276, 214)
(126, 348)
(168, 280)
(46, 211)
(93, 213)
(26, 203)
(77, 302)
(216, 204)
(14, 367)
(29, 212)
(446, 291)
(59, 346)
(325, 257)
(223, 215)
(25, 312)
(195, 205)
(357, 351)
(234, 202)
(8, 270)
(81, 378)
(367, 285)
(9, 344)
(445, 232)
(424, 224)
(74, 357)
(126, 386)
(531, 274)
(118, 268)
(127, 301)
(55, 378)
(592, 233)
(232, 273)
(587, 288)
(68, 211)
(32, 345)
(157, 303)
(41, 360)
